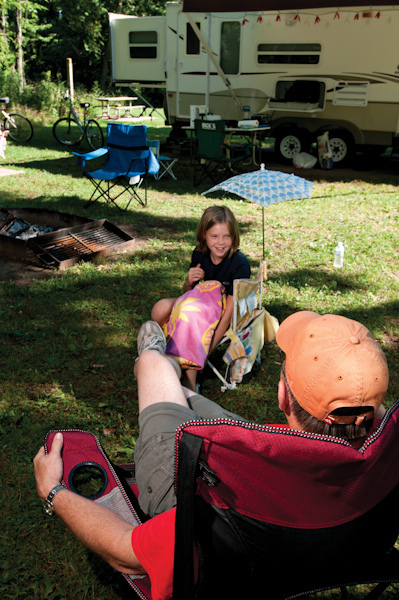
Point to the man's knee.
(147, 362)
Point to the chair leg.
(344, 593)
(101, 193)
(127, 187)
(377, 590)
(167, 168)
(209, 170)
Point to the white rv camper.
(305, 67)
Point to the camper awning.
(208, 6)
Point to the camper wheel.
(342, 147)
(290, 142)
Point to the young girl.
(217, 258)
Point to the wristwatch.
(48, 503)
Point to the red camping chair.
(274, 513)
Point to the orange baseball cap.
(333, 362)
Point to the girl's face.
(219, 242)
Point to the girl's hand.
(195, 274)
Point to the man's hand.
(49, 468)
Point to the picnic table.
(120, 105)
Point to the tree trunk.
(4, 47)
(105, 80)
(20, 52)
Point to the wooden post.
(70, 77)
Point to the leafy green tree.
(23, 28)
(81, 31)
(37, 36)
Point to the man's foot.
(151, 337)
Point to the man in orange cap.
(334, 377)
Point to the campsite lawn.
(68, 341)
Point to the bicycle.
(19, 127)
(70, 131)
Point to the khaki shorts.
(155, 448)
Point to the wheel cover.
(290, 145)
(339, 149)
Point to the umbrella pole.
(263, 230)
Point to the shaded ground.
(367, 168)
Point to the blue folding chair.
(127, 162)
(165, 162)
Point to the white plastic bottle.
(339, 255)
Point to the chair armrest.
(82, 158)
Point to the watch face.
(88, 479)
(48, 509)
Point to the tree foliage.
(53, 30)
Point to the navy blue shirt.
(236, 267)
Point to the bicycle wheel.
(94, 134)
(66, 131)
(20, 128)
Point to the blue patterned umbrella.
(266, 187)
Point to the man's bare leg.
(157, 380)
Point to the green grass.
(67, 343)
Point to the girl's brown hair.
(213, 216)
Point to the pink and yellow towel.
(192, 323)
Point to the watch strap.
(48, 503)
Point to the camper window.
(289, 54)
(143, 44)
(193, 45)
(230, 33)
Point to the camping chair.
(165, 162)
(211, 160)
(284, 511)
(250, 324)
(271, 509)
(127, 161)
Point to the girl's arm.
(223, 325)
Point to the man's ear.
(283, 398)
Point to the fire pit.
(70, 240)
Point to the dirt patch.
(5, 171)
(24, 271)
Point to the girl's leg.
(161, 310)
(189, 379)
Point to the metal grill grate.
(63, 249)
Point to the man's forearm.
(99, 529)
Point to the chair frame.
(383, 576)
(256, 286)
(215, 165)
(190, 468)
(165, 161)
